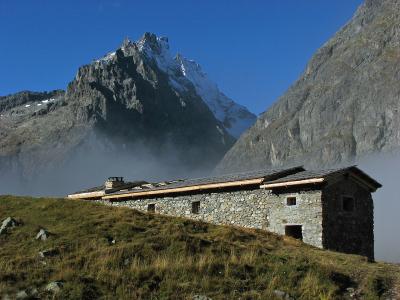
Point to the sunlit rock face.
(137, 112)
(343, 107)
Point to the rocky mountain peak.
(126, 43)
(187, 76)
(132, 112)
(154, 44)
(345, 105)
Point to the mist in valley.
(385, 169)
(93, 162)
(91, 166)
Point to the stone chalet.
(330, 209)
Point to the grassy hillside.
(158, 257)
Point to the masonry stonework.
(258, 208)
(330, 209)
(348, 231)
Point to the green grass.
(159, 257)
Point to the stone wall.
(307, 212)
(256, 208)
(348, 231)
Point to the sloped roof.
(90, 190)
(272, 178)
(126, 185)
(266, 174)
(326, 174)
(309, 174)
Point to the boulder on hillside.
(30, 293)
(54, 287)
(49, 253)
(43, 234)
(8, 223)
(282, 295)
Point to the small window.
(195, 207)
(295, 231)
(151, 208)
(347, 203)
(290, 201)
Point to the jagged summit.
(184, 75)
(126, 43)
(137, 111)
(151, 42)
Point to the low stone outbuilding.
(331, 209)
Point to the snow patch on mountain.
(236, 118)
(106, 58)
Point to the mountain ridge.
(342, 108)
(121, 115)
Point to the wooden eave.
(183, 189)
(292, 183)
(88, 195)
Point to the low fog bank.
(90, 167)
(385, 169)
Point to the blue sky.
(253, 49)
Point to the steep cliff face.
(185, 74)
(131, 113)
(128, 95)
(344, 106)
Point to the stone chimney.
(114, 182)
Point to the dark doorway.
(195, 207)
(295, 231)
(151, 208)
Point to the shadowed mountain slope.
(343, 107)
(135, 112)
